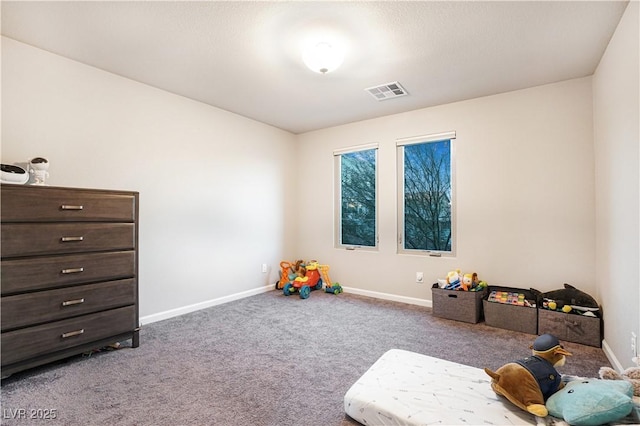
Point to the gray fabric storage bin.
(512, 317)
(571, 327)
(465, 306)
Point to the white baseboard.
(392, 297)
(611, 357)
(148, 319)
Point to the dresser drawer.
(23, 310)
(47, 204)
(30, 342)
(41, 273)
(38, 239)
(68, 272)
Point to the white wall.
(525, 198)
(213, 185)
(617, 137)
(525, 182)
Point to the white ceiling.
(245, 56)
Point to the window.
(426, 194)
(356, 196)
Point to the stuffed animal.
(591, 402)
(570, 295)
(631, 374)
(529, 382)
(453, 280)
(299, 269)
(469, 281)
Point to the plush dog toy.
(529, 382)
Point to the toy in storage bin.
(581, 323)
(511, 308)
(465, 306)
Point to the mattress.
(407, 388)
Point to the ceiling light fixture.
(322, 57)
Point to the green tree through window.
(427, 196)
(358, 198)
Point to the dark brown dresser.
(69, 272)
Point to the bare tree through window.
(427, 196)
(358, 198)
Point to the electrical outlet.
(264, 268)
(634, 344)
(419, 277)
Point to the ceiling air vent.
(387, 91)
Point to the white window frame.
(414, 140)
(337, 155)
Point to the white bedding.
(407, 388)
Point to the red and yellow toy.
(303, 285)
(303, 278)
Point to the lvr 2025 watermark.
(30, 413)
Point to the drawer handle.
(72, 270)
(70, 207)
(69, 239)
(72, 333)
(72, 302)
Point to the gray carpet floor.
(264, 360)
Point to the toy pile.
(534, 385)
(570, 300)
(302, 277)
(510, 298)
(456, 280)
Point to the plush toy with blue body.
(592, 402)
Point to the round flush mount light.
(322, 57)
